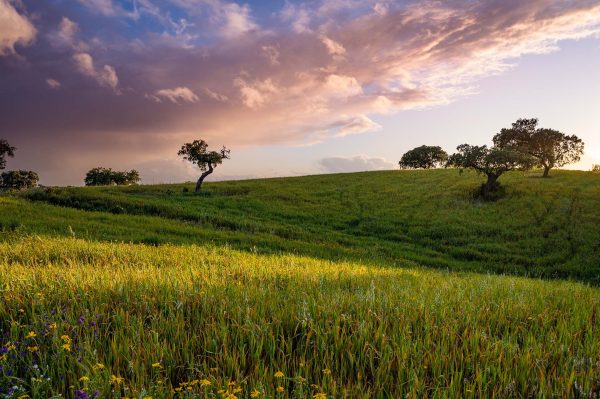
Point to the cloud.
(358, 163)
(307, 73)
(176, 95)
(53, 83)
(15, 29)
(107, 76)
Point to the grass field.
(320, 287)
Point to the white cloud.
(175, 95)
(255, 95)
(333, 47)
(107, 76)
(53, 83)
(15, 29)
(272, 54)
(236, 20)
(216, 96)
(357, 163)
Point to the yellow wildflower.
(237, 390)
(254, 394)
(280, 389)
(66, 339)
(205, 383)
(98, 366)
(32, 349)
(21, 310)
(31, 334)
(67, 347)
(156, 365)
(53, 326)
(116, 380)
(326, 371)
(84, 379)
(319, 395)
(279, 374)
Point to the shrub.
(18, 179)
(108, 177)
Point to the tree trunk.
(202, 177)
(546, 170)
(490, 185)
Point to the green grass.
(153, 292)
(338, 328)
(543, 227)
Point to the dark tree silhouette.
(18, 179)
(549, 147)
(423, 157)
(492, 162)
(196, 152)
(5, 150)
(108, 177)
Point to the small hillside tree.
(5, 150)
(596, 168)
(423, 157)
(549, 147)
(108, 177)
(196, 152)
(18, 179)
(492, 162)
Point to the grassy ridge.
(209, 319)
(543, 227)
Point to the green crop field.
(382, 284)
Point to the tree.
(492, 162)
(18, 179)
(549, 147)
(5, 150)
(196, 152)
(596, 168)
(423, 157)
(107, 177)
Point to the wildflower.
(205, 383)
(53, 326)
(301, 379)
(326, 371)
(116, 380)
(156, 365)
(279, 374)
(237, 390)
(32, 349)
(280, 389)
(31, 334)
(319, 395)
(84, 379)
(21, 310)
(66, 339)
(98, 366)
(81, 394)
(254, 394)
(67, 347)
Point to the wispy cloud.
(15, 28)
(358, 163)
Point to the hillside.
(543, 227)
(311, 287)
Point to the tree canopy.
(5, 150)
(107, 177)
(549, 147)
(492, 162)
(18, 179)
(197, 153)
(423, 157)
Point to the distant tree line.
(108, 177)
(523, 146)
(14, 179)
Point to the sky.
(291, 87)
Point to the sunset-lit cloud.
(299, 75)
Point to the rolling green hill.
(312, 287)
(542, 228)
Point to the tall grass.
(209, 321)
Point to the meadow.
(358, 285)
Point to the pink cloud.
(15, 29)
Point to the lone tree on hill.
(5, 150)
(423, 157)
(492, 162)
(549, 147)
(196, 152)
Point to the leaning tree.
(492, 162)
(549, 147)
(423, 157)
(197, 153)
(5, 150)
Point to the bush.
(108, 177)
(18, 179)
(596, 168)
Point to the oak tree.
(197, 153)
